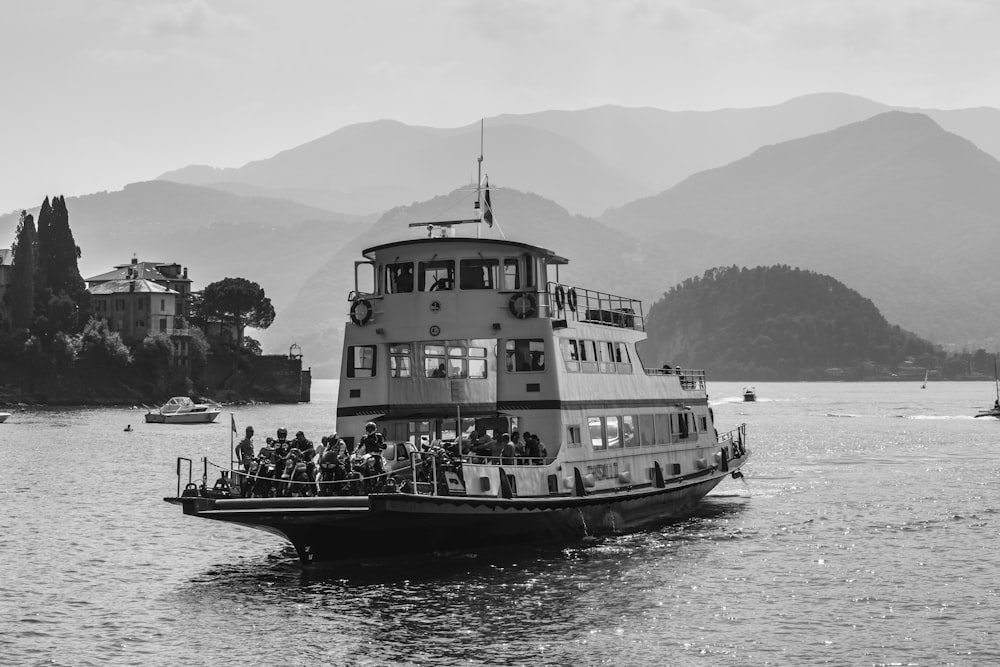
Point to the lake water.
(865, 533)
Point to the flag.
(488, 213)
(233, 418)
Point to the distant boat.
(924, 385)
(995, 410)
(749, 394)
(3, 416)
(182, 410)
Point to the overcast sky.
(102, 93)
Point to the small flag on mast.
(488, 213)
(233, 418)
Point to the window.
(629, 434)
(525, 354)
(529, 271)
(142, 304)
(573, 436)
(682, 425)
(662, 427)
(622, 358)
(399, 278)
(437, 275)
(361, 361)
(434, 361)
(704, 424)
(596, 426)
(163, 324)
(399, 361)
(571, 355)
(607, 356)
(478, 273)
(511, 274)
(163, 305)
(646, 430)
(588, 356)
(455, 361)
(613, 430)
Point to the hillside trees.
(773, 323)
(62, 298)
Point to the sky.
(97, 94)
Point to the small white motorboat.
(183, 410)
(3, 416)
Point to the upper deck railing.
(577, 304)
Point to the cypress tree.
(58, 268)
(21, 288)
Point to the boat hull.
(381, 525)
(185, 418)
(4, 416)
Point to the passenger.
(543, 453)
(372, 441)
(281, 449)
(244, 456)
(531, 444)
(515, 439)
(308, 450)
(404, 281)
(508, 455)
(439, 372)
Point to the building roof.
(125, 286)
(139, 270)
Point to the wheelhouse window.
(663, 424)
(435, 276)
(400, 361)
(361, 361)
(511, 274)
(399, 278)
(479, 273)
(525, 354)
(588, 356)
(606, 350)
(573, 436)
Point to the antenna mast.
(479, 176)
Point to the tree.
(62, 295)
(236, 301)
(21, 288)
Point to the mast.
(479, 175)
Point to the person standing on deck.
(244, 455)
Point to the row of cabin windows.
(451, 361)
(595, 356)
(522, 355)
(483, 273)
(617, 431)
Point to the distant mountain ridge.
(587, 160)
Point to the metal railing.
(579, 304)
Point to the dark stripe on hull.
(323, 529)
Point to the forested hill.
(775, 323)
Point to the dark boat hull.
(326, 529)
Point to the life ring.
(361, 312)
(522, 305)
(571, 299)
(560, 297)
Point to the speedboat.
(749, 394)
(465, 342)
(4, 416)
(183, 410)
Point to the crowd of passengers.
(284, 467)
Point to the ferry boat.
(452, 340)
(749, 394)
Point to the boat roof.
(550, 257)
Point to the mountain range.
(899, 206)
